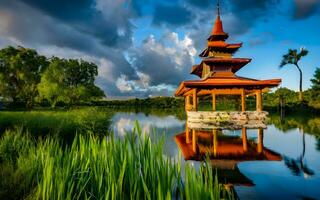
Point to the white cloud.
(105, 69)
(123, 84)
(166, 60)
(160, 65)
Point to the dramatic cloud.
(104, 32)
(106, 20)
(239, 16)
(306, 8)
(161, 65)
(52, 36)
(166, 60)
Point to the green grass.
(99, 168)
(65, 123)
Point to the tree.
(69, 81)
(289, 96)
(315, 88)
(282, 96)
(52, 86)
(293, 57)
(20, 73)
(316, 80)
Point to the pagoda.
(217, 73)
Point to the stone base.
(227, 120)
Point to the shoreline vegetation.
(282, 99)
(99, 168)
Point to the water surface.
(296, 139)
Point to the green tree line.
(311, 97)
(28, 78)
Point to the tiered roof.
(216, 42)
(218, 67)
(234, 64)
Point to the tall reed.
(95, 168)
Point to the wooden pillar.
(187, 133)
(195, 100)
(187, 103)
(243, 100)
(260, 140)
(214, 101)
(259, 100)
(244, 139)
(194, 141)
(215, 142)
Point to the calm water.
(297, 140)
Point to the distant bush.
(156, 102)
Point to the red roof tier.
(223, 44)
(218, 30)
(226, 83)
(226, 60)
(229, 48)
(235, 64)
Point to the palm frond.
(303, 52)
(293, 56)
(286, 59)
(283, 63)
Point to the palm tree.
(293, 57)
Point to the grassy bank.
(65, 123)
(98, 168)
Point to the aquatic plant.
(99, 168)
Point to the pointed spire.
(218, 27)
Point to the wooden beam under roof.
(235, 91)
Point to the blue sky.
(147, 47)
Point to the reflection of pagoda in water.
(197, 144)
(217, 73)
(224, 151)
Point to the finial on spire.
(218, 28)
(218, 7)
